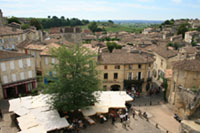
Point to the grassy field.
(136, 28)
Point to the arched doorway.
(115, 87)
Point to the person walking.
(113, 120)
(1, 115)
(128, 122)
(133, 114)
(121, 117)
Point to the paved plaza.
(159, 113)
(137, 125)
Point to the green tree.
(76, 79)
(113, 45)
(182, 29)
(13, 19)
(25, 26)
(110, 21)
(198, 29)
(93, 26)
(36, 23)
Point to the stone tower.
(1, 18)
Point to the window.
(139, 76)
(22, 75)
(5, 79)
(139, 66)
(28, 62)
(105, 67)
(3, 66)
(53, 60)
(12, 65)
(105, 75)
(115, 75)
(13, 46)
(1, 40)
(30, 74)
(117, 66)
(105, 86)
(20, 64)
(130, 76)
(30, 86)
(14, 78)
(130, 67)
(161, 63)
(46, 61)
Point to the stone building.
(124, 70)
(17, 73)
(192, 36)
(187, 52)
(185, 85)
(47, 60)
(163, 59)
(10, 37)
(35, 50)
(2, 19)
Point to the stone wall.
(186, 102)
(189, 127)
(73, 37)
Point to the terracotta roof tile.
(5, 30)
(188, 65)
(125, 58)
(164, 52)
(7, 55)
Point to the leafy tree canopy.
(113, 45)
(76, 79)
(110, 21)
(25, 26)
(13, 19)
(93, 26)
(198, 29)
(36, 23)
(183, 28)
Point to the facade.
(11, 36)
(188, 52)
(185, 85)
(192, 36)
(163, 61)
(47, 60)
(35, 50)
(17, 73)
(125, 70)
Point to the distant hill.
(135, 21)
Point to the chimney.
(14, 29)
(1, 14)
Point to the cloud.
(145, 0)
(177, 1)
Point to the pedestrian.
(128, 122)
(133, 114)
(140, 113)
(1, 115)
(121, 117)
(126, 116)
(113, 120)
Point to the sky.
(103, 9)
